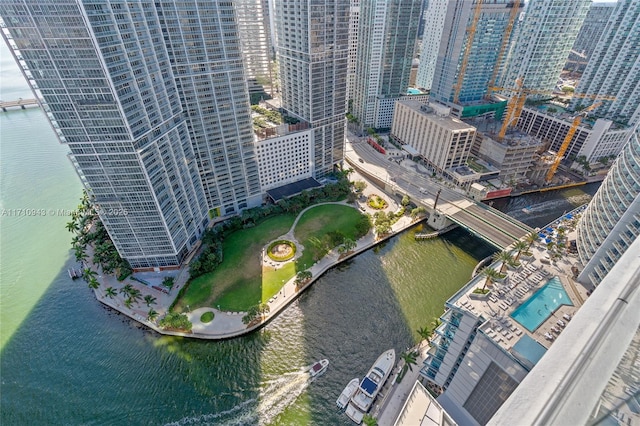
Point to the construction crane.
(567, 140)
(515, 8)
(517, 101)
(471, 32)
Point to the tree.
(491, 274)
(405, 201)
(135, 294)
(263, 309)
(369, 420)
(520, 246)
(531, 239)
(93, 283)
(418, 211)
(302, 277)
(359, 186)
(149, 300)
(110, 292)
(128, 303)
(504, 257)
(88, 273)
(409, 358)
(72, 226)
(152, 315)
(126, 289)
(424, 333)
(349, 244)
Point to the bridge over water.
(486, 222)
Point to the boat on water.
(347, 393)
(319, 367)
(369, 387)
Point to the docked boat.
(370, 386)
(319, 367)
(347, 393)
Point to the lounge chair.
(567, 317)
(561, 323)
(518, 332)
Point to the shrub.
(481, 290)
(277, 258)
(207, 317)
(175, 321)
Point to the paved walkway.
(229, 324)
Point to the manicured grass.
(207, 317)
(241, 282)
(316, 223)
(236, 284)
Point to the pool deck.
(519, 285)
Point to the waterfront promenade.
(229, 324)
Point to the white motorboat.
(354, 414)
(347, 393)
(319, 367)
(371, 384)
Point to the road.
(486, 222)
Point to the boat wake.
(276, 395)
(544, 208)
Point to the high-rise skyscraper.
(614, 66)
(462, 71)
(386, 42)
(313, 48)
(543, 41)
(611, 222)
(257, 48)
(152, 101)
(354, 19)
(589, 34)
(433, 18)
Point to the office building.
(611, 222)
(354, 19)
(614, 67)
(589, 35)
(514, 156)
(462, 71)
(254, 29)
(433, 18)
(386, 41)
(443, 141)
(114, 81)
(313, 49)
(543, 41)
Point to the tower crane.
(471, 32)
(567, 140)
(517, 101)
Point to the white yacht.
(347, 393)
(319, 367)
(370, 386)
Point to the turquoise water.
(412, 91)
(541, 305)
(530, 349)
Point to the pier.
(20, 103)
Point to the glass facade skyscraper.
(152, 101)
(611, 222)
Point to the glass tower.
(611, 222)
(151, 99)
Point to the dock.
(434, 234)
(20, 103)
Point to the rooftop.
(439, 113)
(422, 409)
(517, 288)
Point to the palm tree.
(135, 294)
(110, 292)
(72, 226)
(436, 323)
(128, 303)
(530, 239)
(93, 283)
(369, 420)
(349, 244)
(409, 358)
(425, 333)
(149, 300)
(88, 274)
(521, 246)
(126, 290)
(491, 275)
(152, 315)
(504, 257)
(263, 309)
(302, 277)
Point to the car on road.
(360, 160)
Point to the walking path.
(229, 324)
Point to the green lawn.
(237, 283)
(241, 282)
(316, 223)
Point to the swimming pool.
(539, 307)
(412, 91)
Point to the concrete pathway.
(229, 324)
